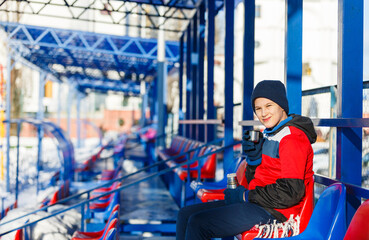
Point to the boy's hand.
(253, 150)
(236, 195)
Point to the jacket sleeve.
(285, 193)
(289, 188)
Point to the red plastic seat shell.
(359, 226)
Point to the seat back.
(112, 234)
(359, 226)
(209, 164)
(240, 173)
(112, 225)
(308, 206)
(328, 220)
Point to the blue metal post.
(293, 55)
(40, 132)
(180, 84)
(161, 87)
(153, 111)
(17, 169)
(194, 69)
(70, 96)
(59, 103)
(8, 110)
(162, 104)
(248, 60)
(350, 95)
(143, 104)
(188, 79)
(210, 54)
(200, 76)
(228, 83)
(78, 120)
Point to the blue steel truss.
(104, 85)
(176, 13)
(86, 55)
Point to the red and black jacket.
(278, 183)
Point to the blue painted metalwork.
(293, 56)
(69, 104)
(200, 77)
(189, 82)
(153, 96)
(248, 60)
(144, 103)
(228, 84)
(59, 104)
(162, 102)
(86, 55)
(210, 69)
(108, 183)
(78, 120)
(194, 77)
(180, 84)
(65, 145)
(118, 11)
(103, 85)
(350, 98)
(40, 132)
(17, 168)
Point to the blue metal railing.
(84, 203)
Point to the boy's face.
(268, 112)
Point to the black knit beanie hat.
(273, 90)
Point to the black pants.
(218, 220)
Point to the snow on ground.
(60, 227)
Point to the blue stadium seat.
(329, 216)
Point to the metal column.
(59, 103)
(228, 83)
(78, 120)
(180, 84)
(69, 103)
(40, 131)
(350, 97)
(248, 60)
(188, 79)
(200, 70)
(210, 56)
(194, 80)
(293, 54)
(161, 87)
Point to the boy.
(279, 168)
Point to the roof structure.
(97, 61)
(89, 58)
(175, 13)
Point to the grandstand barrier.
(5, 211)
(206, 195)
(85, 170)
(83, 204)
(180, 151)
(61, 193)
(97, 233)
(198, 185)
